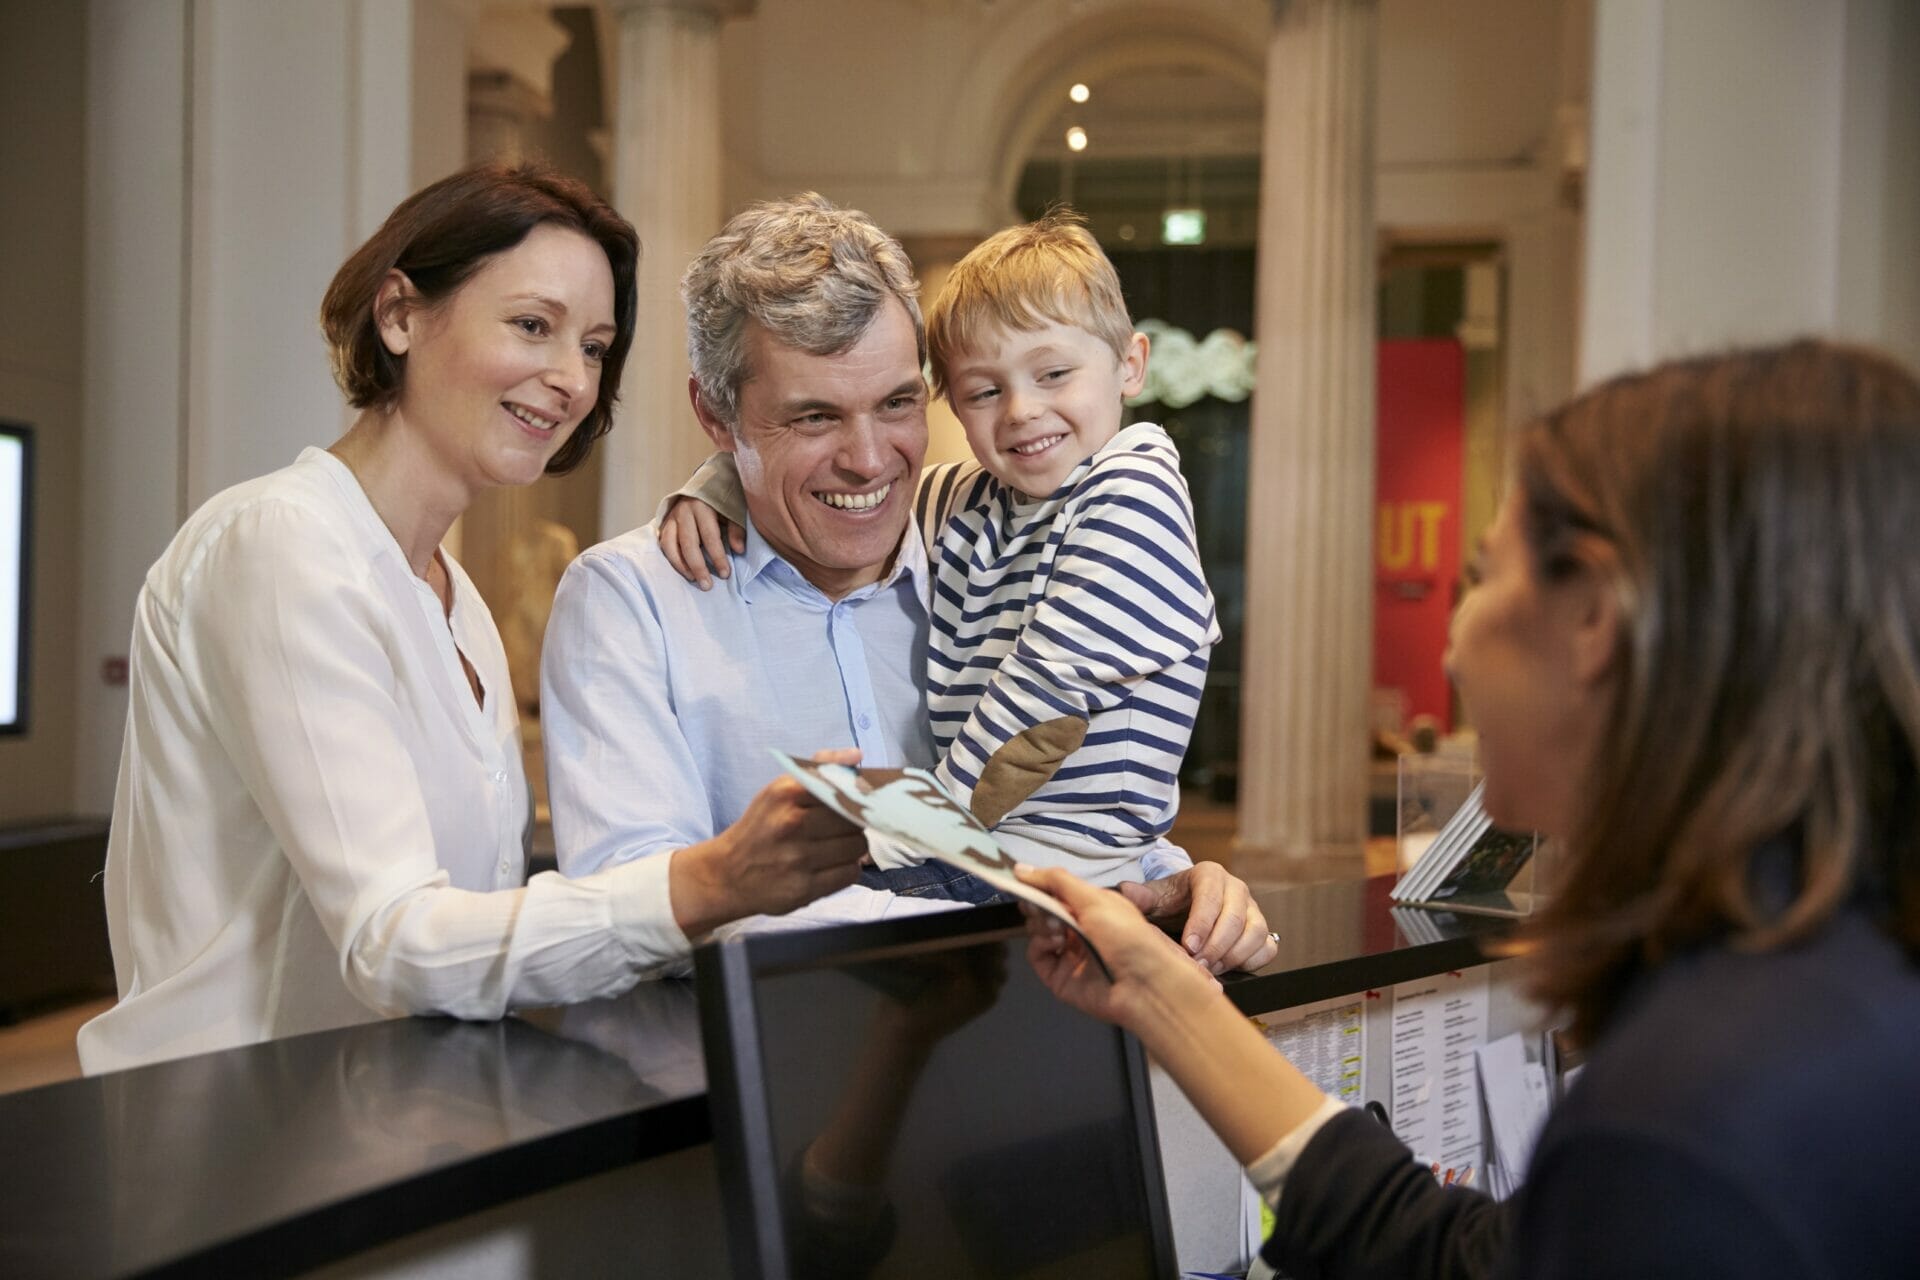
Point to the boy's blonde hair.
(1023, 278)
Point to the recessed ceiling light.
(1079, 93)
(1077, 138)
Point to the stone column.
(1309, 628)
(667, 179)
(500, 106)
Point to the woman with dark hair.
(321, 815)
(1692, 653)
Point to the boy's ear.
(717, 431)
(1133, 366)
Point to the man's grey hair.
(813, 275)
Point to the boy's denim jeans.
(933, 880)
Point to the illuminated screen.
(13, 575)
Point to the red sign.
(1416, 546)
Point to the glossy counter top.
(279, 1157)
(1347, 935)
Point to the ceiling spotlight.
(1077, 139)
(1079, 93)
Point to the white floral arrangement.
(1181, 370)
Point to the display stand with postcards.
(1468, 865)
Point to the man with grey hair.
(659, 701)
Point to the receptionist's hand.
(1219, 923)
(1150, 973)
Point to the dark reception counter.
(280, 1158)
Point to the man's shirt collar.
(760, 559)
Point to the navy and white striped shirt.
(1087, 603)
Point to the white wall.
(1755, 176)
(276, 109)
(236, 153)
(1467, 82)
(42, 362)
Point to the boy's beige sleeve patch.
(1023, 764)
(716, 483)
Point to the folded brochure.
(908, 807)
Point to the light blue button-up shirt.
(659, 700)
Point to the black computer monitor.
(906, 1099)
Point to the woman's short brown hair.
(1761, 761)
(438, 238)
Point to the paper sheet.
(1514, 1090)
(1437, 1024)
(1327, 1041)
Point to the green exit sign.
(1183, 226)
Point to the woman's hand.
(695, 538)
(1150, 971)
(1249, 1094)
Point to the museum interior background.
(1367, 235)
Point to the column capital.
(511, 51)
(507, 96)
(718, 10)
(1283, 9)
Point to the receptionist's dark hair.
(1749, 511)
(438, 238)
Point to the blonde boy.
(1071, 620)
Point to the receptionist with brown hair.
(1692, 653)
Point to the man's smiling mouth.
(855, 501)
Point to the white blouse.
(316, 824)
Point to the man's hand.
(1219, 923)
(695, 538)
(786, 850)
